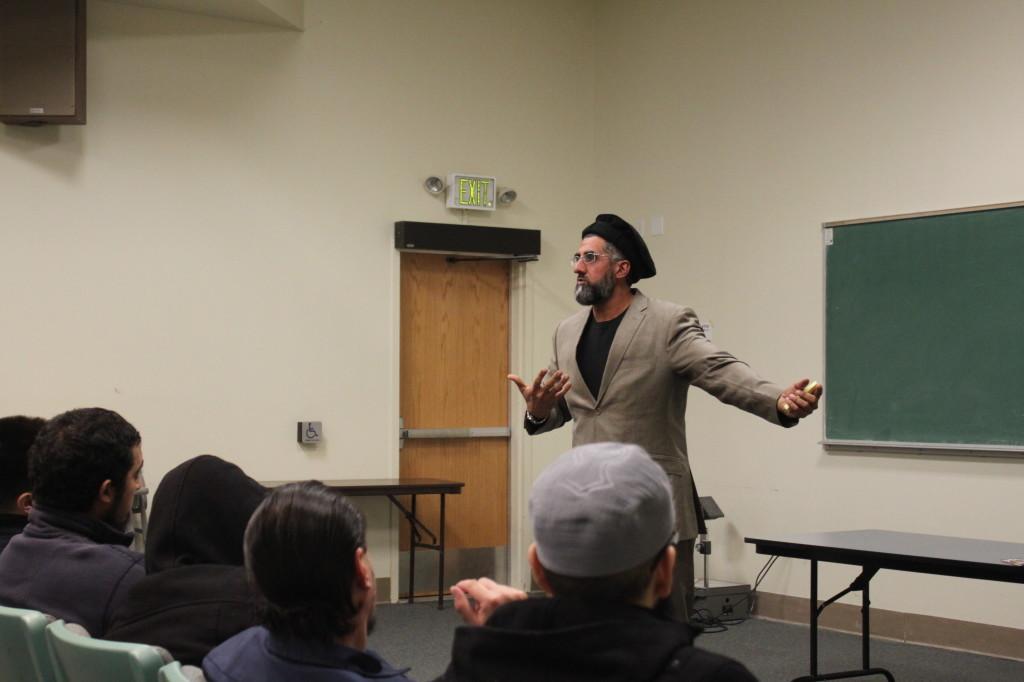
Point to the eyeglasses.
(588, 257)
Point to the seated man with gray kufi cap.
(604, 529)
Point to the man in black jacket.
(604, 530)
(195, 594)
(16, 436)
(72, 560)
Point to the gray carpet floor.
(419, 636)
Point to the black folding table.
(873, 550)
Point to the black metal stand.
(860, 584)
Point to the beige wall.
(211, 255)
(747, 125)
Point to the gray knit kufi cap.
(601, 509)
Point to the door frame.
(520, 330)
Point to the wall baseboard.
(991, 640)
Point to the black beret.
(626, 239)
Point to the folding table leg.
(440, 564)
(814, 617)
(412, 550)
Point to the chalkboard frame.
(899, 446)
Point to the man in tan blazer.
(622, 368)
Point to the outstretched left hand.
(796, 402)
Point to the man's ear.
(23, 503)
(622, 269)
(106, 498)
(107, 493)
(364, 571)
(663, 570)
(538, 570)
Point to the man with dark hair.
(72, 561)
(604, 551)
(305, 552)
(16, 436)
(622, 368)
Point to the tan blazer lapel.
(623, 337)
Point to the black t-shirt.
(592, 351)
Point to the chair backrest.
(23, 653)
(176, 672)
(79, 658)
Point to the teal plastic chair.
(176, 672)
(24, 656)
(80, 658)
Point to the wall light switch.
(310, 432)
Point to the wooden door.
(454, 363)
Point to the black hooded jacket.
(558, 640)
(195, 594)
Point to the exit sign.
(474, 192)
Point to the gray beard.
(592, 294)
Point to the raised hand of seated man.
(476, 600)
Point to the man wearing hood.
(72, 560)
(623, 366)
(195, 594)
(603, 524)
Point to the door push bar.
(472, 432)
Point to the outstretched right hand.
(545, 391)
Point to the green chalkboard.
(924, 330)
